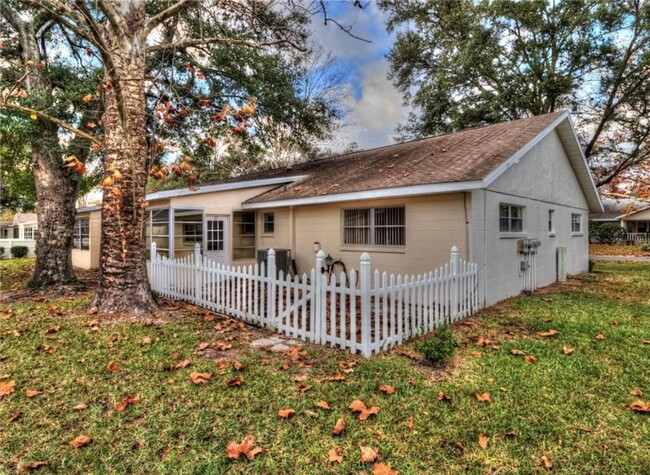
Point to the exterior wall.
(434, 224)
(89, 259)
(543, 180)
(10, 242)
(640, 216)
(281, 236)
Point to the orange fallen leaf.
(200, 378)
(548, 333)
(222, 363)
(80, 441)
(246, 448)
(368, 454)
(335, 378)
(383, 469)
(303, 388)
(364, 412)
(299, 378)
(322, 405)
(7, 387)
(548, 463)
(146, 341)
(219, 346)
(182, 364)
(80, 407)
(30, 393)
(334, 455)
(636, 392)
(124, 403)
(600, 336)
(33, 466)
(511, 433)
(516, 352)
(235, 382)
(567, 350)
(286, 413)
(237, 366)
(386, 389)
(483, 342)
(202, 346)
(55, 329)
(477, 354)
(485, 397)
(530, 359)
(339, 427)
(483, 441)
(112, 366)
(443, 397)
(640, 406)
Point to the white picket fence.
(365, 311)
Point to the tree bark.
(123, 282)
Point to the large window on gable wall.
(375, 226)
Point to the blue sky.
(375, 105)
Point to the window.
(269, 223)
(16, 233)
(215, 235)
(243, 244)
(29, 233)
(192, 232)
(511, 218)
(157, 230)
(375, 226)
(81, 235)
(576, 223)
(551, 225)
(5, 233)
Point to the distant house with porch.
(21, 231)
(632, 215)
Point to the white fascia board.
(501, 169)
(88, 209)
(238, 185)
(403, 191)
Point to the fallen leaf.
(477, 354)
(235, 382)
(412, 354)
(483, 441)
(334, 455)
(511, 433)
(80, 441)
(386, 389)
(485, 397)
(220, 346)
(548, 463)
(600, 336)
(640, 406)
(347, 364)
(338, 427)
(483, 342)
(322, 405)
(33, 466)
(443, 397)
(548, 333)
(7, 387)
(200, 378)
(246, 448)
(53, 330)
(383, 469)
(503, 390)
(298, 378)
(368, 454)
(182, 364)
(202, 346)
(124, 403)
(516, 352)
(30, 393)
(302, 388)
(461, 446)
(237, 366)
(146, 341)
(364, 412)
(567, 350)
(286, 413)
(222, 363)
(636, 392)
(409, 423)
(530, 359)
(112, 366)
(335, 378)
(80, 407)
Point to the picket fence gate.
(365, 311)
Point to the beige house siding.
(89, 259)
(640, 216)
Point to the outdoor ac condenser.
(282, 259)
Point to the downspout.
(467, 254)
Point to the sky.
(375, 105)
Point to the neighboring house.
(512, 196)
(632, 215)
(19, 232)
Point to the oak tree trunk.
(123, 283)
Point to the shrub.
(607, 233)
(440, 347)
(645, 247)
(19, 251)
(2, 251)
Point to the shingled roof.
(464, 156)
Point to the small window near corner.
(511, 218)
(576, 223)
(551, 222)
(269, 223)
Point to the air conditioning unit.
(282, 259)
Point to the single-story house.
(632, 215)
(21, 231)
(513, 197)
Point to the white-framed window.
(269, 223)
(576, 223)
(243, 237)
(511, 218)
(29, 233)
(81, 234)
(551, 222)
(375, 226)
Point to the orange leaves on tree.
(30, 393)
(235, 382)
(200, 378)
(126, 402)
(74, 163)
(7, 387)
(368, 454)
(386, 389)
(339, 427)
(485, 397)
(483, 441)
(334, 455)
(80, 441)
(383, 469)
(112, 366)
(364, 412)
(246, 448)
(91, 125)
(87, 98)
(322, 405)
(286, 413)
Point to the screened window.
(243, 243)
(551, 224)
(511, 218)
(576, 223)
(5, 233)
(16, 233)
(269, 223)
(81, 235)
(157, 230)
(375, 226)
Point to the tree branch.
(190, 42)
(54, 120)
(165, 14)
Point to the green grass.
(571, 409)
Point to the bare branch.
(191, 42)
(345, 28)
(165, 14)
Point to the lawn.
(617, 250)
(570, 412)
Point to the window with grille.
(511, 218)
(576, 223)
(29, 233)
(81, 234)
(216, 236)
(269, 223)
(375, 226)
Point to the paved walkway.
(621, 258)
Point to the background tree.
(462, 63)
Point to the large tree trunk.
(123, 282)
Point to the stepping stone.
(262, 342)
(279, 347)
(277, 343)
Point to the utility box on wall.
(561, 264)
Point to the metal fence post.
(153, 257)
(365, 286)
(454, 283)
(198, 285)
(271, 279)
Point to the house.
(21, 231)
(632, 215)
(513, 197)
